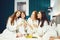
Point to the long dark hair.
(43, 19)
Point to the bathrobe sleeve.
(11, 27)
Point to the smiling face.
(18, 13)
(34, 15)
(23, 15)
(39, 15)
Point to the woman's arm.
(9, 26)
(46, 27)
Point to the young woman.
(10, 32)
(43, 23)
(23, 25)
(44, 28)
(32, 23)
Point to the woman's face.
(33, 15)
(39, 15)
(18, 14)
(22, 15)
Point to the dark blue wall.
(6, 9)
(39, 5)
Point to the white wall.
(56, 8)
(52, 3)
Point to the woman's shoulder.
(19, 20)
(9, 18)
(45, 22)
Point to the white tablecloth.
(23, 38)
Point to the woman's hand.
(25, 25)
(19, 35)
(51, 38)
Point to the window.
(22, 5)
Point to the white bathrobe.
(47, 31)
(42, 30)
(21, 28)
(10, 32)
(32, 23)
